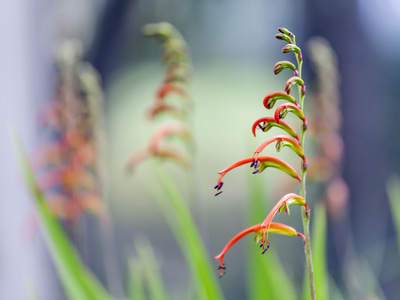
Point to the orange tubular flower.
(269, 122)
(259, 166)
(258, 230)
(282, 206)
(281, 141)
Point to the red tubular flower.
(281, 141)
(269, 122)
(291, 81)
(258, 230)
(283, 109)
(260, 165)
(282, 205)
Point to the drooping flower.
(259, 236)
(269, 122)
(259, 166)
(282, 206)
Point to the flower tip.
(302, 236)
(298, 178)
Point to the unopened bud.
(284, 37)
(291, 48)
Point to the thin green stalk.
(306, 215)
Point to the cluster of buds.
(171, 99)
(69, 167)
(291, 140)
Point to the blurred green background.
(233, 51)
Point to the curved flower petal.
(258, 230)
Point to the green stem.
(306, 215)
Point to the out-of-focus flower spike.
(271, 98)
(285, 201)
(282, 141)
(285, 31)
(280, 65)
(269, 122)
(277, 228)
(264, 162)
(283, 37)
(160, 107)
(175, 128)
(291, 81)
(291, 48)
(283, 109)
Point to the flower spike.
(282, 206)
(269, 122)
(271, 98)
(258, 230)
(259, 165)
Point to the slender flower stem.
(306, 214)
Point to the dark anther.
(256, 171)
(215, 187)
(218, 193)
(220, 185)
(252, 164)
(222, 267)
(261, 127)
(261, 245)
(256, 164)
(220, 276)
(280, 115)
(307, 213)
(265, 250)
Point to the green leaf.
(78, 281)
(150, 271)
(136, 280)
